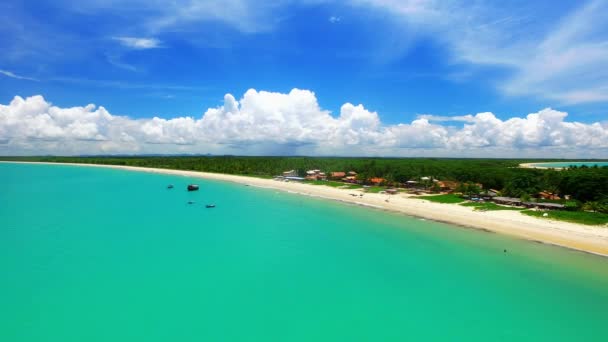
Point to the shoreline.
(535, 166)
(589, 239)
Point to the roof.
(447, 184)
(545, 204)
(507, 199)
(338, 174)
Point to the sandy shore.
(536, 166)
(592, 239)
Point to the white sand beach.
(592, 239)
(537, 166)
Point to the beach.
(591, 239)
(533, 166)
(538, 166)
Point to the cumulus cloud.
(442, 118)
(139, 43)
(264, 122)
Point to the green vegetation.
(375, 189)
(468, 188)
(584, 217)
(488, 206)
(447, 198)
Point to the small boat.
(192, 187)
(170, 186)
(210, 206)
(191, 202)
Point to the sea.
(571, 163)
(97, 254)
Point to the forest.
(583, 184)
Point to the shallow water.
(569, 164)
(90, 254)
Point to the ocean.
(94, 254)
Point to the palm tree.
(592, 206)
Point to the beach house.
(377, 180)
(290, 173)
(315, 175)
(338, 175)
(548, 195)
(446, 186)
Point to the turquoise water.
(90, 254)
(568, 164)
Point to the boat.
(170, 186)
(210, 206)
(192, 187)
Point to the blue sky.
(399, 59)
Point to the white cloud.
(264, 122)
(334, 19)
(157, 16)
(554, 52)
(442, 118)
(13, 75)
(139, 43)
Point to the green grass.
(583, 217)
(487, 206)
(353, 186)
(447, 198)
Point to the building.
(508, 200)
(295, 178)
(548, 195)
(544, 205)
(338, 175)
(488, 195)
(377, 180)
(411, 184)
(447, 185)
(290, 173)
(350, 179)
(492, 193)
(315, 175)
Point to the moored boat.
(192, 187)
(210, 206)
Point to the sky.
(312, 77)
